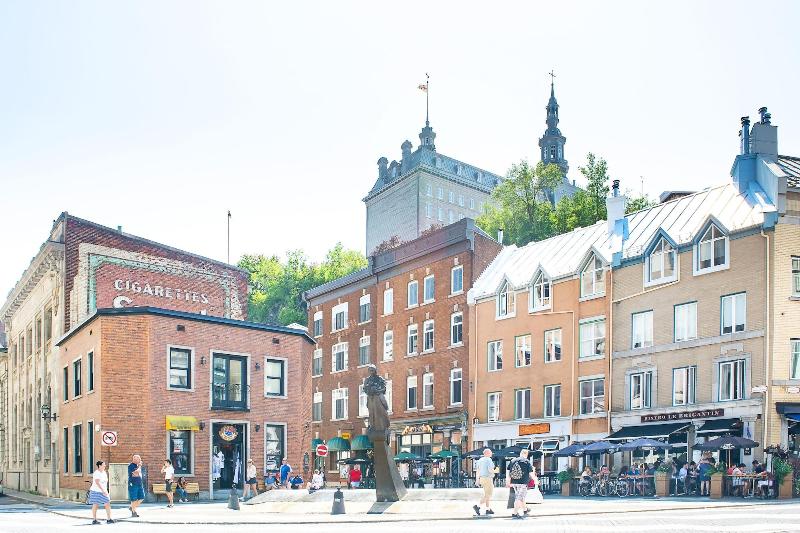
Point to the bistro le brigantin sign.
(689, 415)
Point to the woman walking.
(169, 479)
(250, 481)
(98, 493)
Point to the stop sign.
(322, 450)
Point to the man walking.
(286, 469)
(519, 473)
(135, 487)
(484, 478)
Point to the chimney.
(383, 171)
(615, 206)
(764, 137)
(744, 136)
(500, 235)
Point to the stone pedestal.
(388, 484)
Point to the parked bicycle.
(604, 486)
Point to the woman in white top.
(98, 492)
(169, 480)
(250, 481)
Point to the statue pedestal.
(388, 484)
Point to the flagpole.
(427, 97)
(229, 236)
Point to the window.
(455, 386)
(495, 355)
(552, 345)
(89, 444)
(90, 373)
(733, 313)
(540, 293)
(363, 351)
(413, 333)
(77, 448)
(493, 407)
(731, 380)
(450, 216)
(316, 409)
(592, 397)
(429, 285)
(38, 329)
(456, 329)
(362, 401)
(686, 322)
(339, 357)
(712, 250)
(413, 293)
(427, 339)
(472, 203)
(523, 351)
(316, 366)
(641, 387)
(274, 377)
(461, 200)
(363, 309)
(796, 276)
(274, 445)
(388, 394)
(592, 279)
(411, 392)
(48, 328)
(457, 279)
(593, 338)
(795, 371)
(428, 189)
(66, 450)
(451, 197)
(388, 345)
(522, 403)
(660, 264)
(428, 210)
(505, 301)
(180, 368)
(427, 390)
(684, 385)
(180, 451)
(440, 193)
(388, 301)
(318, 324)
(642, 332)
(440, 214)
(76, 378)
(339, 317)
(65, 388)
(339, 402)
(552, 400)
(229, 383)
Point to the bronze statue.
(389, 486)
(375, 389)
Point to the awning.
(338, 444)
(793, 416)
(648, 430)
(182, 423)
(720, 425)
(316, 442)
(786, 408)
(361, 442)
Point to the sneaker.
(489, 511)
(515, 516)
(95, 522)
(135, 514)
(478, 510)
(110, 521)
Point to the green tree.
(637, 203)
(591, 206)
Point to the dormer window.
(660, 265)
(712, 251)
(540, 292)
(506, 304)
(592, 278)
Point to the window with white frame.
(795, 370)
(411, 392)
(440, 214)
(456, 329)
(712, 250)
(734, 313)
(592, 396)
(339, 317)
(427, 390)
(429, 288)
(428, 210)
(339, 357)
(428, 189)
(592, 278)
(642, 329)
(363, 351)
(388, 345)
(540, 292)
(686, 321)
(461, 200)
(363, 309)
(427, 336)
(796, 276)
(440, 193)
(552, 345)
(339, 404)
(732, 380)
(494, 352)
(522, 403)
(522, 349)
(552, 400)
(456, 376)
(493, 407)
(472, 203)
(451, 197)
(457, 279)
(641, 387)
(362, 401)
(318, 324)
(274, 377)
(388, 395)
(413, 335)
(180, 368)
(413, 293)
(451, 217)
(593, 338)
(684, 385)
(316, 365)
(505, 301)
(388, 301)
(660, 264)
(316, 409)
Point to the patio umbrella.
(600, 447)
(443, 454)
(728, 443)
(573, 450)
(355, 461)
(645, 444)
(512, 452)
(407, 456)
(475, 454)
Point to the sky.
(160, 116)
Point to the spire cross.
(552, 76)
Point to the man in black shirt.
(518, 474)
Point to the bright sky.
(161, 116)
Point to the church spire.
(552, 143)
(427, 135)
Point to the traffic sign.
(322, 450)
(109, 438)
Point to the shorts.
(135, 492)
(252, 481)
(520, 491)
(355, 484)
(168, 485)
(97, 498)
(488, 487)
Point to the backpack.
(516, 472)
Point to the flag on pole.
(423, 87)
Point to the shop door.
(228, 456)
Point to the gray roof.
(791, 166)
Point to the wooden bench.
(160, 489)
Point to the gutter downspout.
(609, 347)
(767, 359)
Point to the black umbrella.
(355, 461)
(475, 454)
(645, 444)
(727, 443)
(600, 447)
(513, 451)
(573, 450)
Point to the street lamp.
(46, 413)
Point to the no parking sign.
(109, 438)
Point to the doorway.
(228, 455)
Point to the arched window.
(592, 278)
(505, 301)
(661, 263)
(540, 292)
(712, 250)
(552, 152)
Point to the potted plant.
(782, 471)
(662, 478)
(717, 481)
(565, 477)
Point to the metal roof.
(791, 166)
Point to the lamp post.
(46, 415)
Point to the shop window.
(686, 322)
(592, 396)
(229, 383)
(734, 313)
(642, 331)
(180, 451)
(552, 400)
(180, 368)
(495, 355)
(274, 445)
(593, 338)
(684, 385)
(552, 345)
(523, 351)
(275, 377)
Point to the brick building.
(407, 314)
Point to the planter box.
(662, 483)
(566, 488)
(785, 488)
(716, 486)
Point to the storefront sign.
(345, 435)
(447, 427)
(689, 415)
(228, 433)
(182, 423)
(534, 429)
(422, 428)
(133, 287)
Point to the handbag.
(536, 495)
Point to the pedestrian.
(296, 482)
(135, 487)
(316, 482)
(98, 492)
(484, 478)
(286, 469)
(180, 490)
(518, 474)
(169, 478)
(250, 481)
(704, 476)
(355, 477)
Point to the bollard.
(511, 496)
(338, 502)
(233, 499)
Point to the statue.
(389, 486)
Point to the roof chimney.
(615, 188)
(615, 207)
(764, 137)
(500, 235)
(744, 136)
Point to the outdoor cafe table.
(641, 479)
(732, 482)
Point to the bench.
(160, 489)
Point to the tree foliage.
(277, 285)
(637, 203)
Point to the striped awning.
(182, 423)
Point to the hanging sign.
(228, 433)
(688, 415)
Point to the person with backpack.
(518, 474)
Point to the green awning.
(338, 444)
(443, 454)
(316, 442)
(406, 456)
(361, 442)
